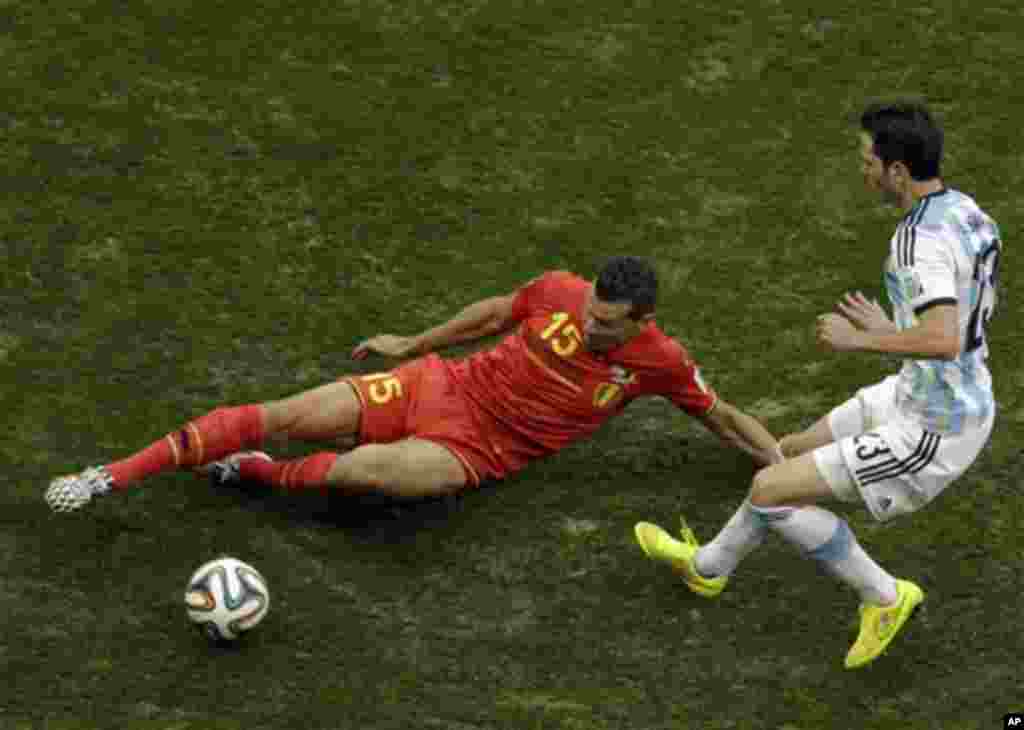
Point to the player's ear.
(900, 171)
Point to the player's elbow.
(501, 317)
(941, 334)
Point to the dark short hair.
(628, 279)
(903, 130)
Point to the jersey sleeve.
(934, 269)
(683, 384)
(535, 294)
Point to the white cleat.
(74, 491)
(225, 473)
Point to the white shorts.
(888, 461)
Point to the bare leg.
(411, 467)
(407, 468)
(328, 413)
(792, 483)
(331, 412)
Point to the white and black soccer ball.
(225, 598)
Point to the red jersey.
(545, 389)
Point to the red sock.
(210, 437)
(292, 475)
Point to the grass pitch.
(206, 203)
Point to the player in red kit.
(576, 354)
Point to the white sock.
(821, 535)
(741, 534)
(865, 576)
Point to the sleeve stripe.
(921, 308)
(908, 235)
(913, 230)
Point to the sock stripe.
(174, 449)
(297, 470)
(214, 435)
(892, 463)
(289, 472)
(769, 515)
(836, 547)
(926, 449)
(199, 450)
(300, 466)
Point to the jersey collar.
(923, 200)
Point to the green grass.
(207, 203)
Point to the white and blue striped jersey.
(946, 251)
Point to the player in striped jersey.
(897, 444)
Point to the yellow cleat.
(659, 545)
(880, 624)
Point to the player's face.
(871, 166)
(607, 325)
(876, 177)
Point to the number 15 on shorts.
(383, 387)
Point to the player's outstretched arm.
(744, 432)
(486, 317)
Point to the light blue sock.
(822, 535)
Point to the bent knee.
(278, 417)
(765, 490)
(364, 467)
(791, 445)
(389, 469)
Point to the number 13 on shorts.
(870, 446)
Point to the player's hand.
(864, 313)
(390, 345)
(838, 333)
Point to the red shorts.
(419, 399)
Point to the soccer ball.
(226, 598)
